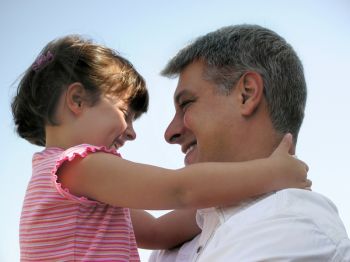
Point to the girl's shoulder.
(51, 159)
(84, 149)
(81, 150)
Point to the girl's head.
(99, 70)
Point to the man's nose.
(174, 131)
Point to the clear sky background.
(148, 33)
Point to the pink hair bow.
(42, 60)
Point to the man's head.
(253, 90)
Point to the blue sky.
(148, 33)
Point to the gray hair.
(231, 51)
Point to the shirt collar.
(225, 213)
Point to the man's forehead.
(189, 79)
(182, 88)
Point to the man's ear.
(75, 96)
(251, 91)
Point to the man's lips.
(191, 154)
(188, 147)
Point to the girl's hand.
(293, 172)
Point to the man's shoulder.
(300, 201)
(289, 201)
(290, 224)
(297, 202)
(294, 207)
(294, 194)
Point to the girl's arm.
(167, 231)
(115, 181)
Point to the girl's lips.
(117, 144)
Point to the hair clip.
(42, 60)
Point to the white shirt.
(190, 251)
(290, 225)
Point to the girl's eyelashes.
(129, 115)
(125, 113)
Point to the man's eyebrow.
(180, 94)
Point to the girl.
(79, 101)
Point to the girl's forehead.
(118, 99)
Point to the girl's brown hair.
(64, 61)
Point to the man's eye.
(184, 104)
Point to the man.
(240, 89)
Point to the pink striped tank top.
(58, 226)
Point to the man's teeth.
(190, 149)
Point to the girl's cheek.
(122, 125)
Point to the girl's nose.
(130, 133)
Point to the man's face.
(207, 123)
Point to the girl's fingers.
(308, 184)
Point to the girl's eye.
(125, 113)
(129, 115)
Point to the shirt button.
(199, 249)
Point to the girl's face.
(107, 123)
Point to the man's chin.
(190, 159)
(187, 163)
